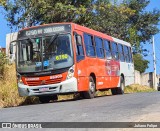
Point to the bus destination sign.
(44, 30)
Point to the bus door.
(81, 63)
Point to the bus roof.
(121, 41)
(85, 29)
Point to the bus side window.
(126, 53)
(114, 51)
(121, 53)
(99, 47)
(130, 55)
(79, 47)
(107, 48)
(89, 44)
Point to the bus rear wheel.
(119, 90)
(92, 87)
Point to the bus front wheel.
(44, 99)
(91, 91)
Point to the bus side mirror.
(11, 47)
(79, 40)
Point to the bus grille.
(43, 82)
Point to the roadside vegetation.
(8, 89)
(138, 88)
(9, 96)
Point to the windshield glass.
(45, 53)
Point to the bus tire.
(92, 87)
(114, 91)
(120, 90)
(54, 97)
(44, 99)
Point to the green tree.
(128, 21)
(31, 12)
(112, 19)
(139, 63)
(2, 2)
(143, 24)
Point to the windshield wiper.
(52, 40)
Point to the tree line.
(127, 20)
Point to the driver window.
(79, 47)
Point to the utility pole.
(154, 64)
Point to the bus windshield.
(44, 53)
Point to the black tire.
(44, 99)
(54, 97)
(114, 91)
(158, 88)
(81, 95)
(92, 87)
(119, 90)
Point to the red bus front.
(45, 60)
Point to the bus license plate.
(44, 89)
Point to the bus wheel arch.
(94, 77)
(91, 87)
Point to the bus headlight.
(70, 72)
(19, 79)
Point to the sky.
(154, 4)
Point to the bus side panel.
(100, 78)
(83, 83)
(82, 76)
(97, 66)
(128, 70)
(107, 74)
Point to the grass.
(9, 96)
(137, 88)
(8, 90)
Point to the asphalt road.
(119, 108)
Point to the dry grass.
(8, 90)
(65, 97)
(103, 93)
(138, 88)
(9, 93)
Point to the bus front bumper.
(66, 86)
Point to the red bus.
(64, 58)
